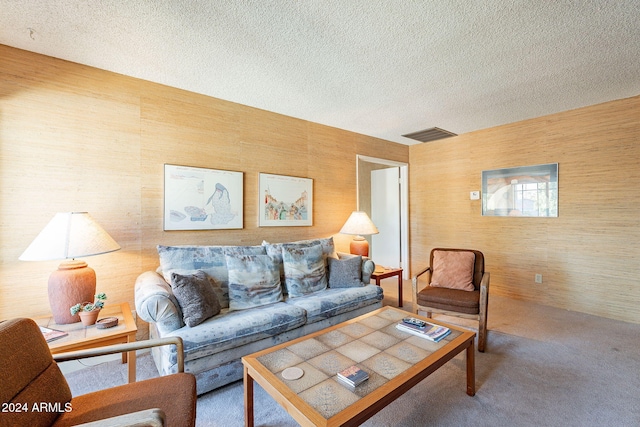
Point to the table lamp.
(359, 224)
(67, 236)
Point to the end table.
(81, 337)
(390, 272)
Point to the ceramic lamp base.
(359, 246)
(74, 282)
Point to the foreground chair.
(457, 286)
(35, 393)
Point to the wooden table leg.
(248, 399)
(471, 369)
(130, 359)
(400, 288)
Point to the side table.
(390, 272)
(83, 337)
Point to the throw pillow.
(274, 250)
(346, 272)
(196, 297)
(453, 269)
(254, 280)
(304, 270)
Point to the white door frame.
(404, 205)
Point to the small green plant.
(88, 306)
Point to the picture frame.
(284, 201)
(202, 199)
(529, 191)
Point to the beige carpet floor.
(543, 367)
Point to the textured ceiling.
(377, 67)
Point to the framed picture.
(285, 201)
(202, 199)
(521, 191)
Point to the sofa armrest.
(368, 266)
(155, 303)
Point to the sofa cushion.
(210, 259)
(304, 270)
(453, 270)
(346, 272)
(232, 329)
(195, 296)
(254, 280)
(331, 302)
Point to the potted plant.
(88, 311)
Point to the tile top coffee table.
(81, 337)
(395, 361)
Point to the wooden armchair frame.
(481, 284)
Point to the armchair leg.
(482, 333)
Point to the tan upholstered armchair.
(457, 285)
(35, 393)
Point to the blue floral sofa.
(229, 301)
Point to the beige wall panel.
(64, 146)
(78, 138)
(588, 255)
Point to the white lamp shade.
(70, 235)
(359, 224)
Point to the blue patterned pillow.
(254, 280)
(304, 270)
(274, 250)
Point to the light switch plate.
(474, 195)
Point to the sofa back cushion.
(274, 250)
(210, 259)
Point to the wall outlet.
(474, 195)
(538, 278)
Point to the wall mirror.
(521, 191)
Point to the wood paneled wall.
(75, 138)
(589, 255)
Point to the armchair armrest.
(148, 418)
(484, 291)
(123, 348)
(414, 286)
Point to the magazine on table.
(431, 332)
(353, 376)
(52, 334)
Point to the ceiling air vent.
(431, 134)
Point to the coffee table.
(395, 361)
(81, 337)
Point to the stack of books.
(431, 332)
(352, 376)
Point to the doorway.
(383, 193)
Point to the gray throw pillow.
(196, 297)
(346, 272)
